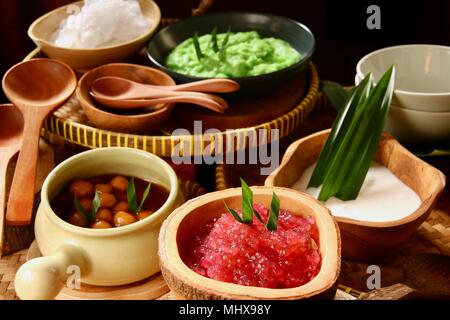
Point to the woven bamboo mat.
(8, 268)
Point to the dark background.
(338, 25)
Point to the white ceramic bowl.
(423, 75)
(418, 127)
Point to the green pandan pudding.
(246, 54)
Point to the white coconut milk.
(383, 197)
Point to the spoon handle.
(195, 95)
(3, 167)
(199, 101)
(210, 85)
(21, 196)
(141, 103)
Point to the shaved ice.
(101, 23)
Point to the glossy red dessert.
(251, 255)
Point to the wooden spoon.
(213, 104)
(37, 87)
(11, 129)
(125, 89)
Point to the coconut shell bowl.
(369, 241)
(189, 220)
(141, 121)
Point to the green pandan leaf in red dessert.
(248, 210)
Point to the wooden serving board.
(152, 288)
(148, 289)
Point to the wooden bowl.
(187, 221)
(362, 240)
(82, 60)
(138, 123)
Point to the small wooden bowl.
(139, 123)
(82, 60)
(369, 241)
(188, 220)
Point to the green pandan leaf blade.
(131, 196)
(223, 49)
(356, 152)
(233, 213)
(95, 206)
(79, 207)
(379, 102)
(339, 131)
(336, 94)
(144, 197)
(258, 216)
(272, 221)
(247, 202)
(215, 45)
(198, 50)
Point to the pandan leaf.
(233, 213)
(336, 94)
(144, 197)
(338, 131)
(258, 216)
(95, 206)
(247, 203)
(223, 49)
(272, 221)
(131, 196)
(248, 211)
(355, 152)
(383, 92)
(198, 50)
(215, 45)
(79, 207)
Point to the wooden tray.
(70, 123)
(10, 264)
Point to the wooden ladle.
(125, 89)
(37, 87)
(11, 129)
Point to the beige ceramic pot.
(107, 257)
(189, 220)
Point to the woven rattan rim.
(165, 146)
